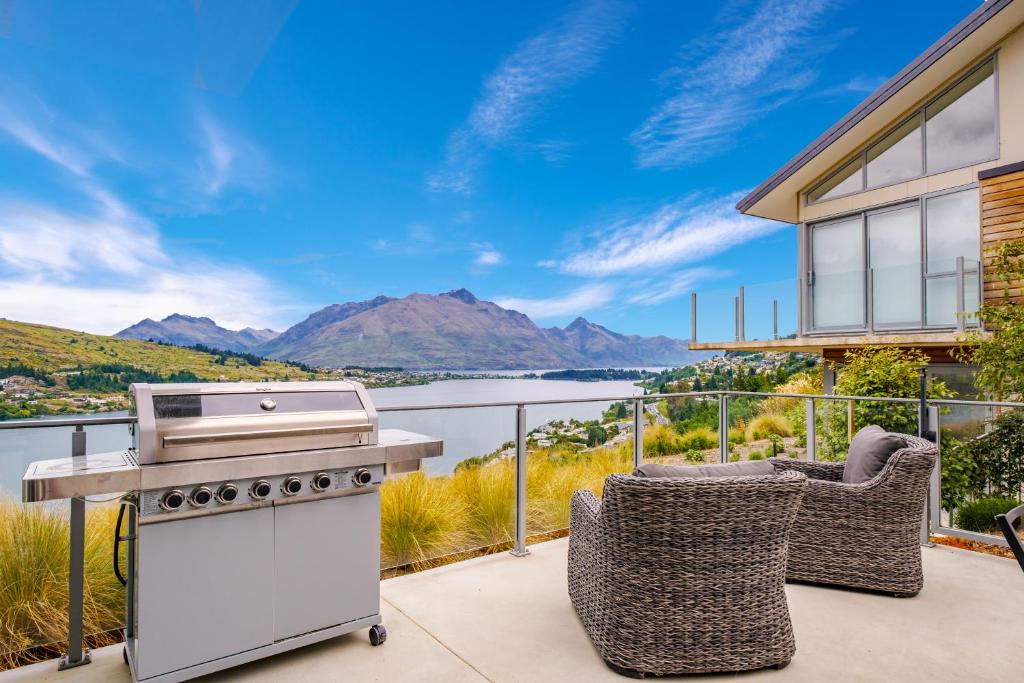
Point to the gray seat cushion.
(730, 469)
(870, 449)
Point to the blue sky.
(254, 161)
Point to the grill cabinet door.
(205, 589)
(327, 555)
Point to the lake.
(466, 432)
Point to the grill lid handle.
(196, 439)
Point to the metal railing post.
(961, 322)
(935, 481)
(693, 316)
(870, 301)
(638, 432)
(723, 427)
(76, 654)
(520, 544)
(811, 429)
(736, 316)
(742, 313)
(775, 318)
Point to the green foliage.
(992, 464)
(700, 438)
(755, 455)
(694, 455)
(980, 515)
(735, 457)
(596, 435)
(1000, 353)
(768, 425)
(736, 435)
(22, 370)
(876, 371)
(617, 411)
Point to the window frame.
(869, 326)
(919, 113)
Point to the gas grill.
(253, 518)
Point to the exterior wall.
(1002, 219)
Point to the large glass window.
(848, 179)
(951, 230)
(894, 238)
(959, 130)
(883, 247)
(961, 124)
(838, 285)
(897, 156)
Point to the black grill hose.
(117, 545)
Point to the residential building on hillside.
(897, 203)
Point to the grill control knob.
(321, 482)
(172, 500)
(291, 486)
(200, 497)
(227, 493)
(260, 489)
(362, 477)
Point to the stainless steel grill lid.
(180, 422)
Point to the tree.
(999, 354)
(876, 371)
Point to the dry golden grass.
(763, 426)
(34, 578)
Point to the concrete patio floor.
(501, 618)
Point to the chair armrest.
(584, 507)
(1005, 523)
(824, 471)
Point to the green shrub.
(980, 515)
(764, 426)
(735, 457)
(693, 455)
(755, 455)
(699, 438)
(736, 435)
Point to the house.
(897, 202)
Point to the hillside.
(456, 330)
(186, 330)
(53, 350)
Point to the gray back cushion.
(870, 449)
(730, 469)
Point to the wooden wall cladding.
(1002, 219)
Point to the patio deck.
(501, 618)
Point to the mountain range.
(454, 330)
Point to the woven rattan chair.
(866, 535)
(673, 575)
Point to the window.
(951, 230)
(838, 257)
(907, 254)
(897, 156)
(894, 238)
(961, 124)
(846, 180)
(955, 129)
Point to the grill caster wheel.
(378, 634)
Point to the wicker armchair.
(865, 535)
(672, 575)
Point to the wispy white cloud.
(582, 299)
(487, 256)
(676, 285)
(726, 81)
(858, 86)
(552, 60)
(685, 231)
(93, 262)
(227, 159)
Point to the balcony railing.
(890, 299)
(517, 490)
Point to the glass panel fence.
(34, 551)
(459, 504)
(566, 455)
(982, 472)
(770, 309)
